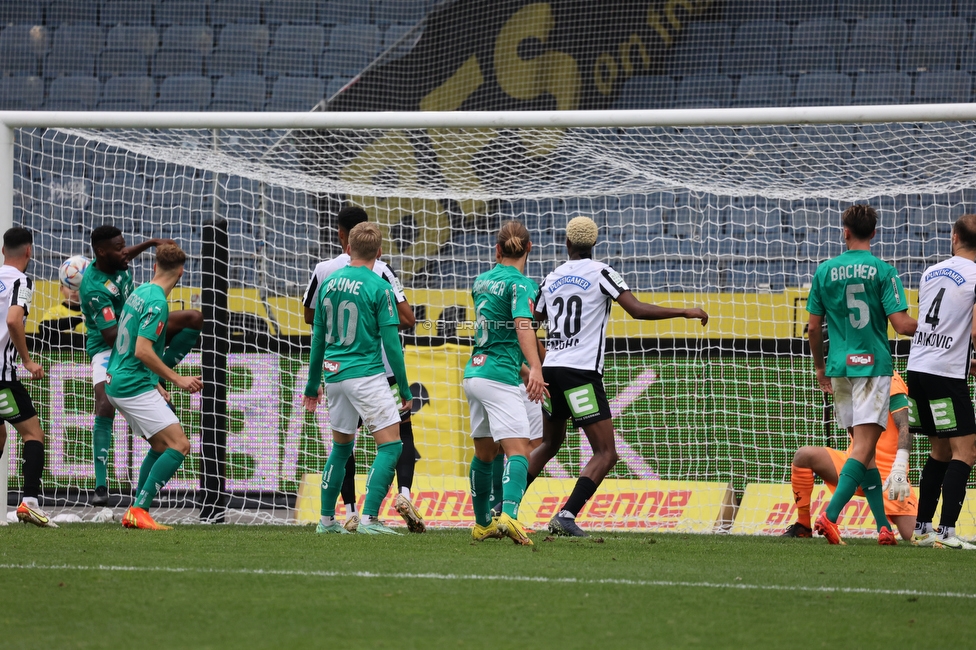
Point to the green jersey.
(102, 297)
(353, 305)
(145, 314)
(500, 296)
(857, 291)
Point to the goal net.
(733, 219)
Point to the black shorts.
(16, 404)
(940, 406)
(576, 394)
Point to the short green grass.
(220, 601)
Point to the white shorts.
(533, 411)
(366, 398)
(99, 365)
(147, 413)
(497, 410)
(861, 400)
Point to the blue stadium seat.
(823, 89)
(20, 12)
(225, 62)
(61, 63)
(764, 90)
(701, 88)
(386, 12)
(967, 60)
(296, 94)
(335, 85)
(191, 38)
(821, 32)
(181, 12)
(707, 34)
(393, 34)
(919, 8)
(184, 93)
(21, 93)
(140, 38)
(749, 59)
(21, 48)
(239, 93)
(83, 39)
(115, 63)
(882, 88)
(365, 38)
(769, 33)
(740, 11)
(929, 58)
(692, 59)
(128, 94)
(800, 10)
(250, 38)
(869, 58)
(803, 60)
(941, 31)
(128, 12)
(68, 12)
(295, 12)
(339, 12)
(861, 9)
(168, 63)
(224, 12)
(646, 92)
(300, 37)
(73, 94)
(942, 87)
(886, 31)
(966, 8)
(282, 61)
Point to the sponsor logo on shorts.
(8, 405)
(108, 313)
(913, 420)
(478, 360)
(860, 359)
(547, 404)
(331, 366)
(943, 414)
(582, 401)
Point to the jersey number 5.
(856, 304)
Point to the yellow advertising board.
(768, 508)
(620, 504)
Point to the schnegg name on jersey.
(853, 272)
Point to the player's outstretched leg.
(954, 492)
(497, 474)
(333, 475)
(184, 329)
(929, 492)
(378, 481)
(171, 447)
(871, 486)
(348, 492)
(600, 436)
(801, 480)
(514, 481)
(480, 476)
(29, 511)
(404, 473)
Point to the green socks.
(180, 346)
(871, 485)
(515, 479)
(147, 465)
(332, 475)
(380, 476)
(480, 486)
(850, 478)
(160, 474)
(497, 470)
(101, 441)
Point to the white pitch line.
(496, 578)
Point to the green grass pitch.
(94, 586)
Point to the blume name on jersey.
(494, 287)
(933, 340)
(946, 273)
(345, 285)
(852, 271)
(582, 283)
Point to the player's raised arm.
(131, 252)
(646, 311)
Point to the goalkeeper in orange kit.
(900, 500)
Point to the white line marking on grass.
(499, 578)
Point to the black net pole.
(213, 419)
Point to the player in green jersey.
(355, 319)
(858, 294)
(105, 287)
(132, 383)
(504, 339)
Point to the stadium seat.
(646, 92)
(69, 12)
(239, 93)
(702, 88)
(740, 11)
(929, 58)
(21, 48)
(21, 93)
(251, 38)
(386, 12)
(823, 89)
(20, 12)
(83, 39)
(339, 12)
(795, 11)
(184, 93)
(128, 12)
(142, 39)
(861, 9)
(284, 61)
(748, 59)
(882, 88)
(337, 62)
(181, 12)
(868, 58)
(73, 93)
(115, 63)
(296, 94)
(58, 64)
(941, 31)
(225, 62)
(707, 34)
(310, 38)
(168, 63)
(190, 38)
(802, 60)
(393, 34)
(941, 87)
(224, 12)
(919, 8)
(768, 33)
(365, 38)
(886, 31)
(763, 90)
(128, 94)
(295, 12)
(821, 32)
(691, 59)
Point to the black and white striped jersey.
(328, 267)
(15, 289)
(946, 296)
(576, 300)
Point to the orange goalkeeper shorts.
(908, 507)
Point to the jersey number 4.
(932, 318)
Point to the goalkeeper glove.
(896, 485)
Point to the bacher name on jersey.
(946, 296)
(576, 299)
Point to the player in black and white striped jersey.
(16, 407)
(349, 217)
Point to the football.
(72, 271)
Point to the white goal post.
(637, 165)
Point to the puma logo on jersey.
(331, 366)
(860, 359)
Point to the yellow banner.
(768, 508)
(620, 504)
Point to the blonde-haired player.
(827, 463)
(575, 300)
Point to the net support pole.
(213, 419)
(6, 221)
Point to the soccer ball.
(72, 271)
